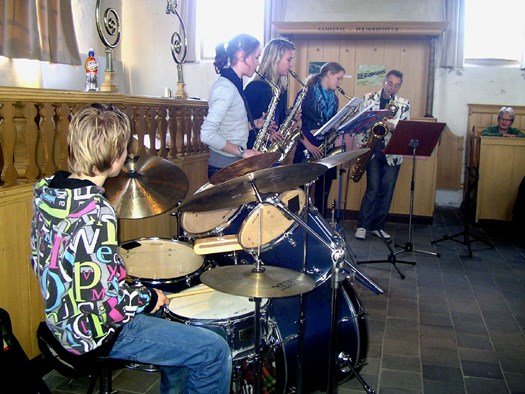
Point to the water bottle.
(91, 67)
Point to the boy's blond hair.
(98, 135)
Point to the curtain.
(452, 39)
(188, 14)
(274, 11)
(38, 29)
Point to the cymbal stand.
(338, 275)
(301, 322)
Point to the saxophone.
(378, 131)
(261, 141)
(289, 129)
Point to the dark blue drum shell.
(352, 336)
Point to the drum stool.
(95, 364)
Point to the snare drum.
(266, 225)
(228, 315)
(166, 264)
(212, 223)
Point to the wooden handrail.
(34, 126)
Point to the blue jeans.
(380, 184)
(205, 355)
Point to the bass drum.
(212, 223)
(352, 336)
(165, 264)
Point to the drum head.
(266, 224)
(159, 259)
(204, 303)
(205, 223)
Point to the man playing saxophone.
(381, 170)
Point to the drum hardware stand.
(468, 237)
(337, 258)
(301, 322)
(338, 275)
(390, 259)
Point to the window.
(494, 31)
(218, 21)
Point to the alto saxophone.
(378, 130)
(289, 129)
(261, 141)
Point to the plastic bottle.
(91, 66)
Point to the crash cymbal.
(146, 186)
(341, 158)
(245, 280)
(239, 191)
(244, 166)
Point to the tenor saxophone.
(261, 141)
(378, 131)
(290, 129)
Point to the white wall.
(359, 10)
(144, 64)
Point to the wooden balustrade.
(33, 141)
(34, 126)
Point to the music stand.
(409, 137)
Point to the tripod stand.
(468, 238)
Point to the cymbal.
(245, 280)
(342, 157)
(244, 166)
(239, 191)
(146, 186)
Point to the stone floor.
(455, 324)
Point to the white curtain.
(452, 39)
(274, 11)
(38, 29)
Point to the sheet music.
(339, 116)
(363, 120)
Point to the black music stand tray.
(407, 137)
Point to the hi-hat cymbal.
(342, 157)
(245, 280)
(146, 186)
(239, 191)
(244, 166)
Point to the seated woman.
(503, 128)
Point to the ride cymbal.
(146, 186)
(244, 166)
(341, 158)
(269, 282)
(239, 191)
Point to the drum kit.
(255, 262)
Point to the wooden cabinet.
(501, 169)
